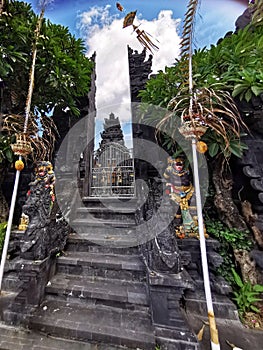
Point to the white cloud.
(103, 33)
(215, 21)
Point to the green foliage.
(235, 65)
(216, 144)
(246, 294)
(230, 239)
(3, 226)
(62, 70)
(235, 238)
(6, 153)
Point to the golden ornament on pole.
(201, 146)
(19, 165)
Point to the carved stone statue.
(161, 254)
(180, 190)
(46, 231)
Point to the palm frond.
(257, 13)
(187, 37)
(214, 109)
(43, 145)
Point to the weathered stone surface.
(47, 230)
(224, 308)
(112, 326)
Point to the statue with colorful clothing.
(180, 190)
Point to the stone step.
(111, 209)
(103, 229)
(101, 223)
(217, 283)
(119, 214)
(117, 243)
(176, 338)
(193, 244)
(116, 266)
(112, 241)
(116, 292)
(195, 302)
(111, 203)
(18, 338)
(97, 323)
(11, 282)
(111, 236)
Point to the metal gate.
(113, 172)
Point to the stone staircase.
(98, 293)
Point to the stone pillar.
(88, 154)
(171, 328)
(34, 276)
(139, 71)
(64, 121)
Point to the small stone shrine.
(113, 170)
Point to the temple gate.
(113, 165)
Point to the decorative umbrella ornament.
(119, 7)
(144, 39)
(22, 147)
(142, 36)
(129, 19)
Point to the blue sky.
(220, 12)
(99, 24)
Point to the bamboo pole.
(27, 114)
(211, 317)
(2, 3)
(9, 227)
(210, 311)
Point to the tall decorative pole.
(193, 129)
(1, 6)
(22, 147)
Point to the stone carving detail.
(161, 254)
(139, 70)
(47, 231)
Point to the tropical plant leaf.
(239, 89)
(258, 288)
(237, 278)
(257, 90)
(213, 149)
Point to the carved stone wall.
(139, 72)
